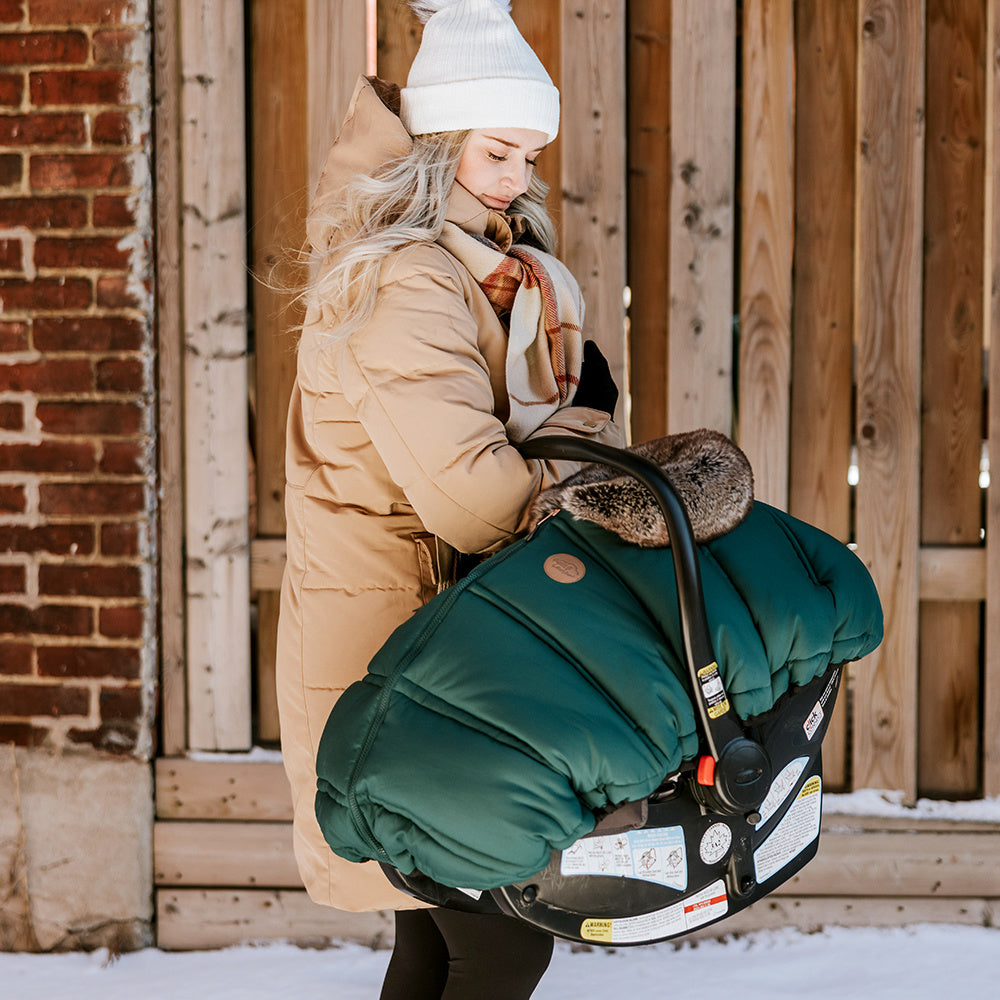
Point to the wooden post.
(216, 432)
(593, 171)
(951, 513)
(991, 694)
(888, 224)
(765, 354)
(702, 196)
(649, 214)
(170, 374)
(822, 389)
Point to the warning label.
(713, 691)
(656, 855)
(710, 903)
(798, 828)
(780, 788)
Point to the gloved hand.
(597, 388)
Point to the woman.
(439, 334)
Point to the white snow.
(922, 962)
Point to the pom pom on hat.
(474, 70)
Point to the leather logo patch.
(564, 568)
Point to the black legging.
(450, 955)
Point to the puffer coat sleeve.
(423, 386)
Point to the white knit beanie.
(474, 70)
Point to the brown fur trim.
(710, 475)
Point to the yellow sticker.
(811, 787)
(594, 929)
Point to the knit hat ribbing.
(474, 70)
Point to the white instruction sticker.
(798, 828)
(656, 855)
(780, 788)
(710, 903)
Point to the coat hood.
(371, 135)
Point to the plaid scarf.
(542, 305)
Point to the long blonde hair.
(403, 202)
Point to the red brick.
(112, 128)
(15, 658)
(12, 255)
(88, 661)
(12, 581)
(84, 251)
(26, 700)
(123, 458)
(121, 375)
(59, 539)
(42, 130)
(13, 499)
(77, 12)
(47, 376)
(117, 292)
(11, 89)
(49, 619)
(87, 333)
(38, 47)
(23, 734)
(92, 499)
(60, 171)
(120, 704)
(114, 46)
(13, 336)
(120, 539)
(12, 416)
(122, 623)
(47, 456)
(78, 86)
(55, 294)
(65, 580)
(11, 169)
(44, 213)
(113, 212)
(90, 418)
(11, 11)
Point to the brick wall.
(76, 416)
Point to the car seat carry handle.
(736, 775)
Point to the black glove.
(597, 388)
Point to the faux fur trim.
(710, 475)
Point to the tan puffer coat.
(396, 457)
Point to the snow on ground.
(924, 962)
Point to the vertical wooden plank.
(399, 34)
(822, 394)
(649, 29)
(170, 373)
(949, 693)
(702, 195)
(991, 692)
(216, 438)
(540, 22)
(593, 170)
(888, 222)
(766, 233)
(279, 69)
(340, 28)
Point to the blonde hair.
(404, 202)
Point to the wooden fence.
(784, 215)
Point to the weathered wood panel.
(888, 221)
(766, 237)
(702, 211)
(949, 733)
(214, 226)
(991, 681)
(222, 790)
(649, 180)
(593, 170)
